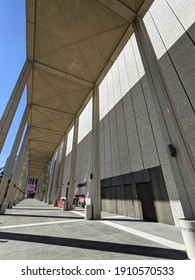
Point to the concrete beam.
(54, 110)
(13, 102)
(61, 74)
(120, 9)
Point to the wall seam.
(124, 119)
(180, 22)
(140, 80)
(173, 65)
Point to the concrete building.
(111, 107)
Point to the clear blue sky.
(12, 58)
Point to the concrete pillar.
(17, 169)
(42, 188)
(96, 184)
(55, 178)
(180, 162)
(12, 157)
(58, 191)
(72, 180)
(50, 181)
(22, 183)
(38, 189)
(14, 100)
(46, 183)
(18, 176)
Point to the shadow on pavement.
(162, 253)
(44, 216)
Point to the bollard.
(88, 212)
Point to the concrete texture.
(33, 230)
(138, 194)
(70, 47)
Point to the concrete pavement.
(34, 230)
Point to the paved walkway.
(34, 230)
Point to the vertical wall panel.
(132, 134)
(118, 200)
(116, 83)
(102, 152)
(122, 71)
(148, 147)
(183, 56)
(66, 174)
(78, 165)
(131, 66)
(122, 139)
(69, 141)
(155, 37)
(184, 10)
(138, 60)
(108, 159)
(110, 91)
(85, 121)
(103, 98)
(113, 200)
(114, 143)
(165, 20)
(84, 160)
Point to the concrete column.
(14, 100)
(42, 188)
(58, 190)
(18, 176)
(52, 168)
(12, 157)
(46, 183)
(55, 178)
(38, 189)
(22, 184)
(96, 184)
(72, 180)
(180, 161)
(17, 169)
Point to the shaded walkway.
(54, 234)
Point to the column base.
(3, 208)
(10, 205)
(55, 203)
(64, 206)
(88, 212)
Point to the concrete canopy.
(73, 44)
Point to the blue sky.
(12, 58)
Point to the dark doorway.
(145, 195)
